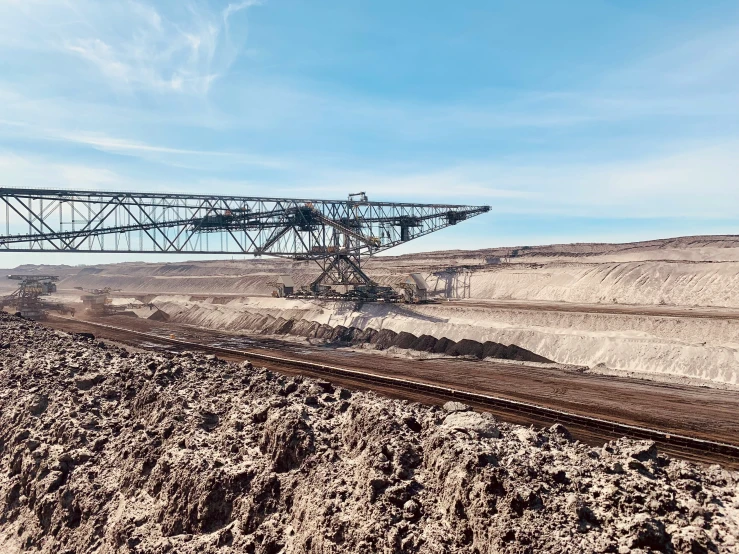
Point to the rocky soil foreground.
(102, 450)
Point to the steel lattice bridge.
(336, 234)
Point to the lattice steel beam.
(321, 230)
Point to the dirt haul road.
(697, 412)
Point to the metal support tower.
(335, 234)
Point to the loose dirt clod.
(103, 450)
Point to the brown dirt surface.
(103, 450)
(701, 412)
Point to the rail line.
(673, 442)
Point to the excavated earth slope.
(665, 309)
(102, 450)
(684, 271)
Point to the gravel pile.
(102, 450)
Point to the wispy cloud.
(698, 62)
(161, 154)
(653, 186)
(132, 44)
(35, 171)
(234, 8)
(650, 186)
(180, 155)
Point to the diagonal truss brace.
(336, 234)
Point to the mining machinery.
(26, 299)
(337, 235)
(99, 302)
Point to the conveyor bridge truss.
(336, 234)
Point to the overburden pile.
(387, 338)
(103, 450)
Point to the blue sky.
(577, 121)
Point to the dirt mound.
(353, 333)
(175, 269)
(90, 270)
(159, 315)
(107, 451)
(341, 334)
(510, 352)
(424, 343)
(279, 326)
(521, 354)
(465, 347)
(384, 339)
(366, 336)
(272, 327)
(260, 321)
(268, 322)
(285, 328)
(442, 345)
(494, 350)
(323, 332)
(303, 327)
(405, 340)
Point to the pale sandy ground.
(699, 351)
(672, 283)
(669, 277)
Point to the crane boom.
(336, 234)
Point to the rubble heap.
(103, 450)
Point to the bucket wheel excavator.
(337, 235)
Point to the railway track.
(591, 429)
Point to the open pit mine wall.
(674, 283)
(380, 339)
(641, 283)
(701, 349)
(704, 350)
